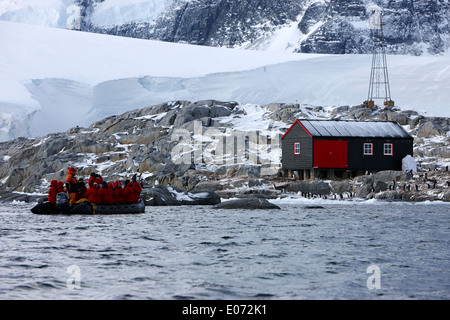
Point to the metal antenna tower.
(379, 78)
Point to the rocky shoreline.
(383, 185)
(145, 142)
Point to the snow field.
(47, 73)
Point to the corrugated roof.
(373, 129)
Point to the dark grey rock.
(204, 198)
(446, 196)
(193, 180)
(202, 110)
(159, 196)
(251, 204)
(168, 119)
(219, 111)
(7, 196)
(340, 187)
(391, 175)
(208, 186)
(379, 186)
(259, 193)
(313, 187)
(433, 127)
(363, 191)
(256, 183)
(249, 171)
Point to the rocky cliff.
(321, 26)
(160, 143)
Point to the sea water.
(310, 249)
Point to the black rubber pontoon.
(87, 208)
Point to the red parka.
(53, 191)
(99, 180)
(91, 180)
(110, 194)
(106, 194)
(118, 192)
(137, 191)
(95, 178)
(92, 194)
(129, 193)
(61, 187)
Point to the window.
(388, 149)
(368, 149)
(297, 148)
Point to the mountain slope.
(313, 26)
(333, 26)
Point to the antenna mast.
(379, 78)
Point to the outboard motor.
(62, 198)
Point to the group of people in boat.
(98, 190)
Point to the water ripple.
(201, 253)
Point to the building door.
(330, 154)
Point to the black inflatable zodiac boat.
(89, 208)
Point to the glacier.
(50, 13)
(61, 13)
(114, 12)
(54, 79)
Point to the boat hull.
(48, 208)
(136, 207)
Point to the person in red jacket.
(110, 196)
(98, 179)
(106, 194)
(94, 177)
(53, 191)
(128, 193)
(137, 191)
(91, 179)
(92, 194)
(102, 192)
(61, 187)
(118, 192)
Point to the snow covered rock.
(433, 126)
(161, 195)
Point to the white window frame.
(295, 148)
(366, 153)
(391, 151)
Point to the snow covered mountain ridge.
(309, 26)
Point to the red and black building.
(346, 146)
